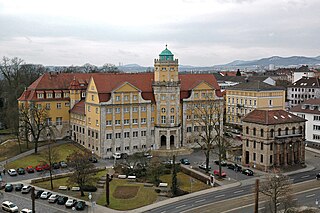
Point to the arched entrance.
(163, 140)
(172, 140)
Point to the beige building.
(273, 138)
(243, 98)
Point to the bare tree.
(34, 120)
(155, 170)
(83, 170)
(208, 120)
(277, 188)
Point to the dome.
(166, 55)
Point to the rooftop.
(311, 106)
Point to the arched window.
(247, 130)
(254, 131)
(272, 133)
(300, 129)
(279, 132)
(261, 132)
(293, 130)
(287, 130)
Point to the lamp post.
(90, 198)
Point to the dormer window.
(57, 95)
(49, 95)
(40, 95)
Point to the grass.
(34, 159)
(184, 182)
(144, 196)
(125, 192)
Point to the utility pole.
(107, 191)
(256, 201)
(33, 200)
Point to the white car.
(53, 198)
(12, 172)
(9, 206)
(26, 211)
(45, 195)
(116, 155)
(26, 189)
(70, 203)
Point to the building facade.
(127, 113)
(310, 110)
(273, 138)
(248, 96)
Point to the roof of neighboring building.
(79, 108)
(311, 106)
(271, 117)
(312, 82)
(254, 86)
(303, 68)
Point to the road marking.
(311, 195)
(236, 192)
(198, 201)
(178, 207)
(219, 196)
(306, 176)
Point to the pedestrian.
(4, 171)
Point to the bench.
(63, 187)
(163, 185)
(132, 177)
(122, 176)
(75, 188)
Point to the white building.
(303, 71)
(310, 110)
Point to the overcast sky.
(198, 32)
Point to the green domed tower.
(166, 67)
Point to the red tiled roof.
(79, 108)
(271, 117)
(305, 107)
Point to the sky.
(198, 32)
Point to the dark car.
(223, 163)
(56, 166)
(21, 171)
(38, 193)
(63, 164)
(18, 187)
(93, 159)
(8, 187)
(247, 172)
(62, 200)
(185, 161)
(30, 169)
(80, 205)
(234, 167)
(318, 176)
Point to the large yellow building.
(125, 113)
(248, 96)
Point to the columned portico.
(167, 138)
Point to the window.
(316, 117)
(135, 109)
(152, 120)
(126, 121)
(316, 137)
(143, 133)
(261, 133)
(261, 158)
(92, 97)
(118, 135)
(109, 123)
(287, 131)
(143, 120)
(271, 147)
(135, 121)
(57, 95)
(109, 149)
(66, 94)
(97, 110)
(49, 95)
(135, 97)
(172, 119)
(189, 129)
(117, 110)
(261, 145)
(109, 110)
(163, 110)
(254, 131)
(97, 123)
(270, 158)
(40, 95)
(126, 97)
(118, 122)
(173, 97)
(49, 121)
(247, 130)
(300, 130)
(196, 95)
(118, 148)
(97, 135)
(88, 132)
(254, 156)
(58, 121)
(135, 134)
(83, 94)
(247, 143)
(67, 104)
(143, 146)
(255, 102)
(109, 136)
(254, 144)
(172, 110)
(270, 102)
(188, 117)
(135, 147)
(126, 109)
(117, 98)
(250, 102)
(163, 119)
(126, 134)
(279, 132)
(39, 106)
(89, 109)
(143, 109)
(316, 127)
(272, 133)
(58, 105)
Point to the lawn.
(184, 182)
(34, 159)
(143, 195)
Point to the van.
(116, 155)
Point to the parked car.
(80, 205)
(247, 172)
(235, 131)
(53, 198)
(228, 134)
(26, 211)
(18, 187)
(30, 169)
(45, 166)
(38, 193)
(63, 164)
(318, 176)
(56, 165)
(118, 155)
(12, 172)
(21, 171)
(62, 200)
(185, 161)
(9, 206)
(234, 167)
(26, 189)
(203, 166)
(223, 163)
(8, 187)
(216, 172)
(93, 159)
(70, 203)
(45, 195)
(147, 155)
(39, 168)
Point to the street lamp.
(90, 198)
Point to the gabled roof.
(271, 117)
(254, 86)
(311, 106)
(309, 82)
(79, 108)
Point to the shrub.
(87, 188)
